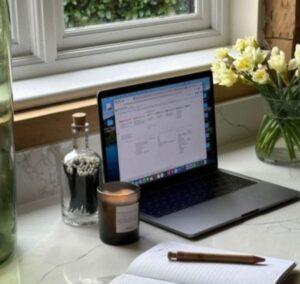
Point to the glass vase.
(7, 171)
(278, 138)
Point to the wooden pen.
(208, 257)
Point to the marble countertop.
(48, 251)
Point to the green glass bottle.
(7, 150)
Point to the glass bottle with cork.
(83, 173)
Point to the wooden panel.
(52, 124)
(280, 18)
(282, 24)
(284, 44)
(297, 23)
(239, 90)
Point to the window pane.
(79, 13)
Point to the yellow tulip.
(228, 78)
(292, 64)
(222, 53)
(277, 61)
(251, 41)
(297, 54)
(242, 44)
(216, 69)
(261, 76)
(275, 51)
(223, 75)
(244, 64)
(256, 54)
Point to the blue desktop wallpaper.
(108, 120)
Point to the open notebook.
(153, 267)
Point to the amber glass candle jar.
(119, 213)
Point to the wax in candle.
(121, 196)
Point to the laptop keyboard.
(184, 195)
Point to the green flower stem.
(268, 131)
(272, 129)
(266, 120)
(293, 133)
(273, 142)
(288, 142)
(279, 81)
(268, 135)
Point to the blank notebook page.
(155, 264)
(132, 279)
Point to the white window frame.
(19, 27)
(52, 49)
(134, 29)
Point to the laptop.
(162, 136)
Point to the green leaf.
(84, 12)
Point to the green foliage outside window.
(91, 12)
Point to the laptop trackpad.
(217, 212)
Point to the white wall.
(244, 19)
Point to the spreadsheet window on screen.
(157, 132)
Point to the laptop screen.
(156, 132)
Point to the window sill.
(44, 105)
(58, 88)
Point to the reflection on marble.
(39, 169)
(10, 271)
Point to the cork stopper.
(79, 118)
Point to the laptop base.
(207, 216)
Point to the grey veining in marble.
(39, 170)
